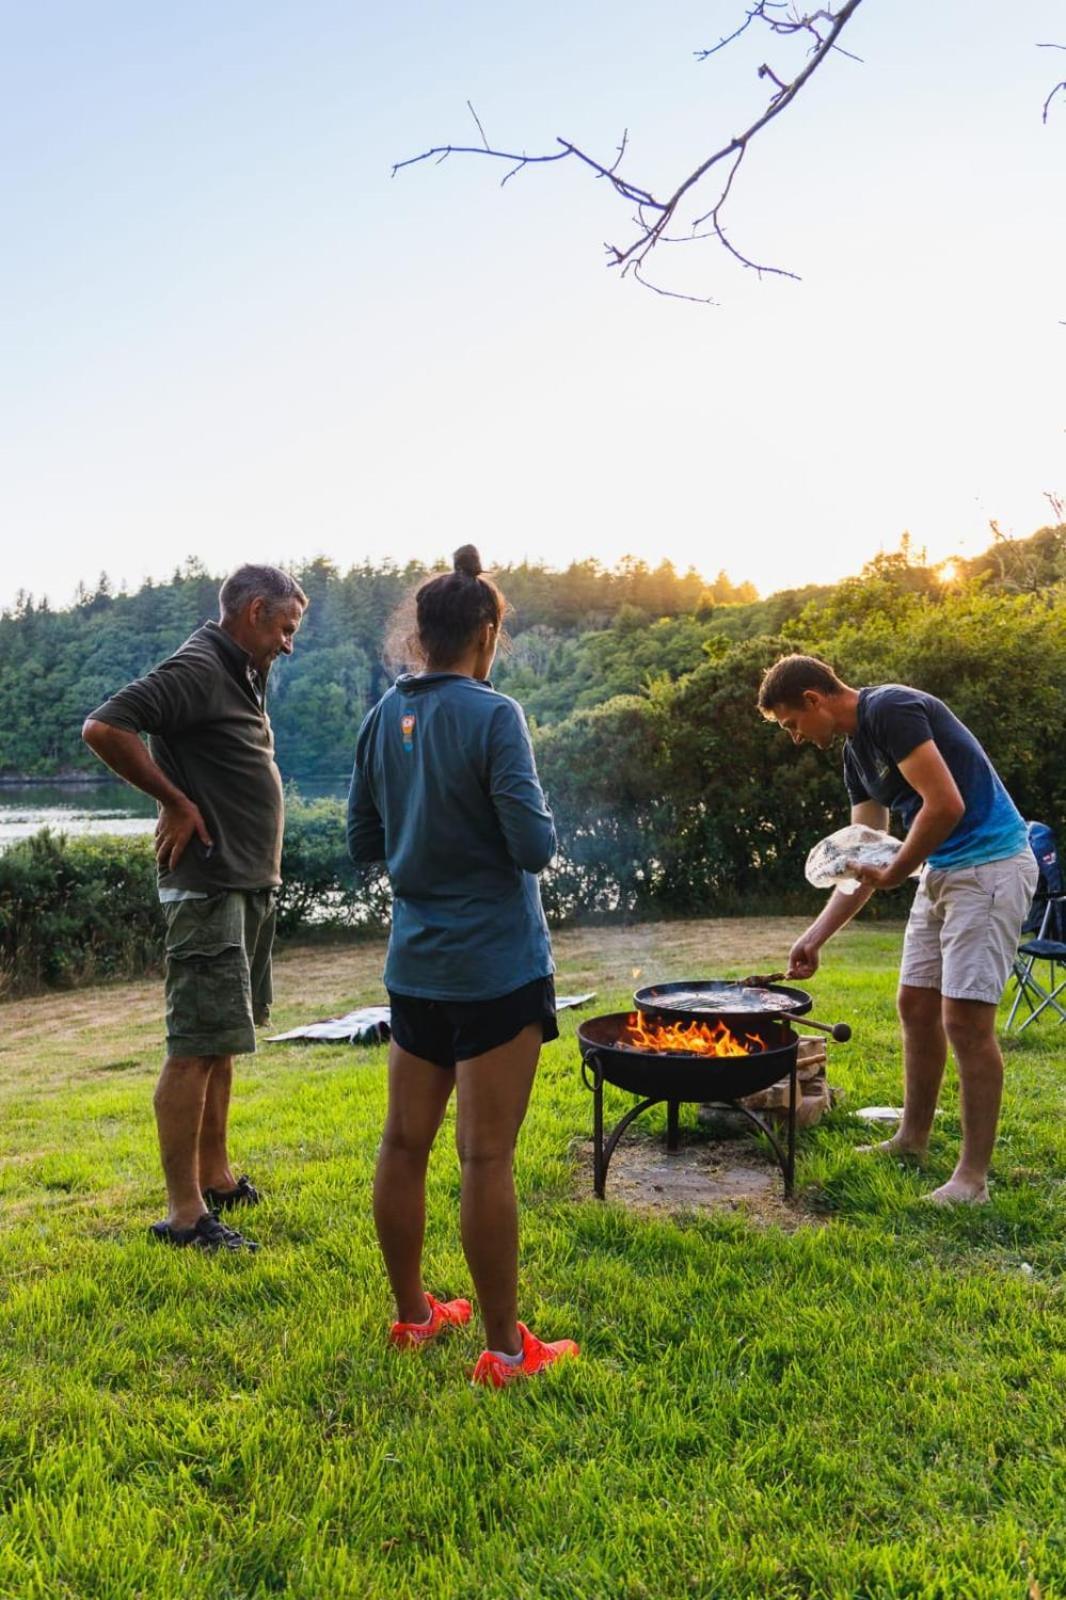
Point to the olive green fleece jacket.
(204, 712)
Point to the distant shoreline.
(72, 780)
(91, 780)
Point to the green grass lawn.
(868, 1402)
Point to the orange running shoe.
(536, 1355)
(442, 1314)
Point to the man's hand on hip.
(178, 821)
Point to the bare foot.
(960, 1192)
(894, 1147)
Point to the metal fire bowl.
(681, 1075)
(658, 1002)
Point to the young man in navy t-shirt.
(905, 752)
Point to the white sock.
(512, 1361)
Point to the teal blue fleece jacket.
(445, 792)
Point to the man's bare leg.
(215, 1170)
(418, 1096)
(971, 1028)
(179, 1109)
(925, 1053)
(493, 1093)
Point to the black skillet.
(735, 1004)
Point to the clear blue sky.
(226, 331)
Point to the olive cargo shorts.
(218, 971)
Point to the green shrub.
(75, 910)
(320, 886)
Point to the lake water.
(75, 808)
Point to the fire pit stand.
(712, 1042)
(594, 1076)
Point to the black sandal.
(245, 1194)
(206, 1234)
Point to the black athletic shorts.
(447, 1031)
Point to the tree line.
(672, 795)
(579, 638)
(56, 665)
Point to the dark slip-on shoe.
(245, 1194)
(207, 1234)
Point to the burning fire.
(698, 1038)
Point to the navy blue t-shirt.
(893, 722)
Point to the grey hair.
(251, 582)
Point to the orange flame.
(697, 1038)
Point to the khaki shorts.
(962, 934)
(218, 971)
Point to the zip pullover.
(445, 792)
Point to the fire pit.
(672, 1053)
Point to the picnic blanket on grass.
(370, 1024)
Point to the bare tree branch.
(821, 27)
(1058, 87)
(477, 119)
(672, 294)
(757, 11)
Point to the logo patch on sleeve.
(407, 728)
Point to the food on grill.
(727, 997)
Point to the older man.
(209, 764)
(905, 751)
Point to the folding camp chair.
(1047, 920)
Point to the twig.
(738, 147)
(1047, 103)
(757, 12)
(477, 119)
(822, 27)
(672, 294)
(1058, 87)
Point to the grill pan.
(738, 1005)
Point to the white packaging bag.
(827, 863)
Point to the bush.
(320, 886)
(76, 910)
(685, 802)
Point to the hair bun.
(467, 560)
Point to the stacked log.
(814, 1097)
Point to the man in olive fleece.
(209, 764)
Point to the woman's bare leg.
(493, 1092)
(418, 1095)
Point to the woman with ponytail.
(445, 791)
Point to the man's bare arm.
(839, 908)
(941, 811)
(127, 755)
